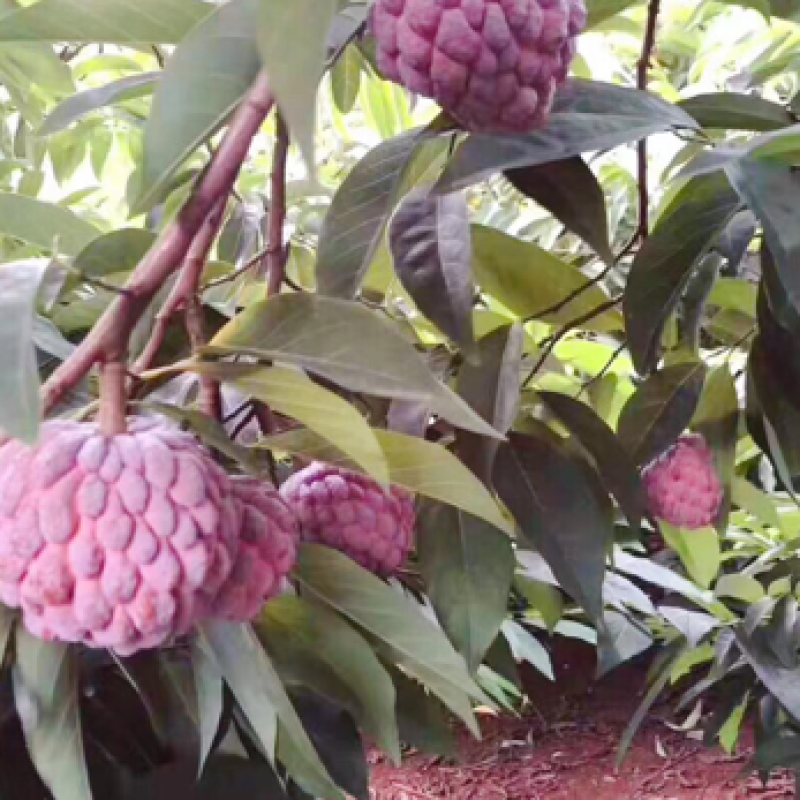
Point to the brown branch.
(276, 249)
(642, 80)
(109, 338)
(113, 398)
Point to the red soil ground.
(564, 749)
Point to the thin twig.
(603, 372)
(276, 251)
(574, 295)
(237, 273)
(642, 80)
(108, 340)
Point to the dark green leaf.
(468, 566)
(729, 110)
(620, 640)
(570, 192)
(587, 116)
(557, 509)
(204, 81)
(778, 752)
(661, 410)
(686, 230)
(432, 249)
(617, 470)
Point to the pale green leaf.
(699, 550)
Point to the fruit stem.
(113, 398)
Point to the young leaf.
(203, 82)
(346, 79)
(547, 491)
(432, 249)
(106, 21)
(46, 693)
(251, 677)
(291, 40)
(570, 191)
(660, 410)
(327, 336)
(617, 470)
(468, 568)
(391, 620)
(699, 550)
(686, 230)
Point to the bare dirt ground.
(564, 749)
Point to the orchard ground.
(564, 748)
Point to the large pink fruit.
(494, 65)
(267, 549)
(682, 486)
(120, 542)
(352, 513)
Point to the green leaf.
(740, 587)
(468, 568)
(44, 225)
(544, 598)
(619, 641)
(617, 470)
(660, 410)
(570, 192)
(729, 110)
(209, 689)
(694, 626)
(729, 733)
(79, 105)
(422, 719)
(547, 491)
(290, 392)
(422, 467)
(528, 280)
(106, 21)
(114, 253)
(206, 77)
(46, 693)
(526, 647)
(587, 116)
(326, 336)
(432, 249)
(686, 230)
(19, 375)
(292, 628)
(392, 620)
(346, 79)
(257, 688)
(699, 550)
(291, 38)
(601, 10)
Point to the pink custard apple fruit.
(493, 65)
(354, 514)
(267, 548)
(120, 542)
(682, 485)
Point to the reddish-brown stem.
(113, 398)
(276, 250)
(109, 338)
(642, 80)
(210, 399)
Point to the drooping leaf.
(113, 253)
(729, 110)
(432, 249)
(660, 410)
(686, 230)
(291, 39)
(620, 640)
(586, 116)
(529, 280)
(19, 375)
(346, 79)
(209, 688)
(624, 594)
(79, 105)
(699, 550)
(614, 463)
(204, 80)
(291, 627)
(557, 509)
(468, 566)
(570, 191)
(46, 694)
(527, 648)
(391, 620)
(326, 336)
(422, 467)
(694, 625)
(107, 21)
(251, 677)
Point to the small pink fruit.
(354, 514)
(494, 65)
(682, 485)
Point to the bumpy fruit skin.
(682, 485)
(267, 548)
(354, 514)
(120, 542)
(494, 65)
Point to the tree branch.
(109, 338)
(276, 249)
